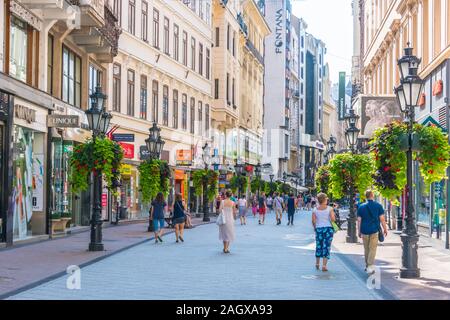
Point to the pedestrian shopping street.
(266, 262)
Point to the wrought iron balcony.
(242, 24)
(223, 3)
(254, 51)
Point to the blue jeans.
(158, 224)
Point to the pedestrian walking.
(179, 217)
(254, 206)
(269, 203)
(370, 215)
(243, 210)
(322, 217)
(262, 208)
(218, 201)
(226, 230)
(278, 204)
(291, 206)
(159, 207)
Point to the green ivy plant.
(271, 187)
(323, 179)
(284, 188)
(211, 178)
(350, 172)
(102, 154)
(387, 150)
(257, 183)
(154, 177)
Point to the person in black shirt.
(179, 217)
(291, 209)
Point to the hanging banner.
(128, 150)
(341, 101)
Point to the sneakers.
(370, 270)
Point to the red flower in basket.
(436, 146)
(386, 169)
(430, 171)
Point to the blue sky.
(331, 21)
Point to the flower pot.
(415, 142)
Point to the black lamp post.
(408, 94)
(238, 167)
(154, 146)
(258, 176)
(98, 120)
(351, 135)
(206, 156)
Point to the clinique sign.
(24, 113)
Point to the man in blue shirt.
(370, 215)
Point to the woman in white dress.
(226, 231)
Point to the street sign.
(123, 137)
(341, 101)
(128, 150)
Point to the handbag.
(380, 231)
(334, 225)
(221, 218)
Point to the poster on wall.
(38, 182)
(376, 112)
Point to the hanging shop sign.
(24, 113)
(341, 101)
(184, 157)
(144, 154)
(128, 150)
(125, 169)
(123, 137)
(63, 121)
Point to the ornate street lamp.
(238, 167)
(271, 177)
(98, 120)
(155, 146)
(408, 94)
(352, 131)
(206, 156)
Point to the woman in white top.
(322, 217)
(242, 204)
(226, 231)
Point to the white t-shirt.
(323, 218)
(242, 202)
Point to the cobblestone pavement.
(266, 262)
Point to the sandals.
(317, 266)
(324, 269)
(181, 238)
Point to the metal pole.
(205, 197)
(409, 235)
(351, 220)
(96, 223)
(447, 200)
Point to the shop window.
(184, 112)
(18, 49)
(143, 109)
(71, 78)
(165, 105)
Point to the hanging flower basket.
(211, 178)
(430, 148)
(154, 177)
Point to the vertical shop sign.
(341, 102)
(38, 182)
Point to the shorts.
(158, 224)
(242, 211)
(270, 206)
(179, 220)
(262, 210)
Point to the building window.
(176, 42)
(193, 5)
(130, 92)
(184, 112)
(166, 36)
(233, 92)
(228, 37)
(18, 49)
(155, 101)
(144, 21)
(208, 64)
(200, 118)
(116, 87)
(200, 59)
(193, 53)
(207, 120)
(234, 44)
(192, 115)
(117, 10)
(165, 105)
(50, 65)
(175, 109)
(208, 14)
(131, 15)
(217, 37)
(200, 10)
(156, 28)
(216, 88)
(95, 78)
(143, 109)
(71, 78)
(185, 47)
(228, 88)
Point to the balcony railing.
(111, 31)
(242, 24)
(254, 51)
